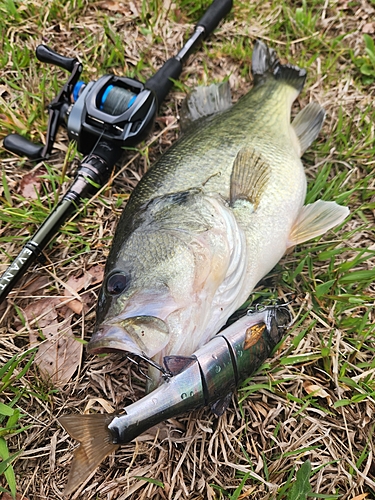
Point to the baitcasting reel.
(115, 109)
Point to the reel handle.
(57, 109)
(21, 146)
(47, 55)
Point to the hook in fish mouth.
(166, 374)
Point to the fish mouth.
(140, 335)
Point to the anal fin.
(316, 219)
(95, 445)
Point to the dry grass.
(275, 424)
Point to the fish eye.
(116, 283)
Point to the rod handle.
(162, 81)
(214, 14)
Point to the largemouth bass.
(212, 372)
(211, 218)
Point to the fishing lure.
(208, 377)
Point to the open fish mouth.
(140, 335)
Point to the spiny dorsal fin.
(316, 219)
(307, 124)
(265, 64)
(205, 101)
(95, 444)
(249, 177)
(177, 364)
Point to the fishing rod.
(103, 117)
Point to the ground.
(303, 425)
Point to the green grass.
(10, 373)
(328, 281)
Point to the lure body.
(208, 376)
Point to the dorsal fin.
(205, 101)
(265, 64)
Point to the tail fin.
(95, 444)
(265, 64)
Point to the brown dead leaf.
(31, 182)
(104, 403)
(59, 353)
(165, 120)
(36, 284)
(317, 390)
(360, 497)
(369, 28)
(116, 6)
(76, 284)
(97, 273)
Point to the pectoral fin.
(250, 176)
(316, 219)
(95, 444)
(307, 124)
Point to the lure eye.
(117, 283)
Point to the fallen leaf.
(116, 6)
(49, 323)
(59, 353)
(360, 497)
(7, 124)
(107, 406)
(166, 120)
(369, 28)
(76, 284)
(31, 182)
(97, 273)
(317, 390)
(36, 283)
